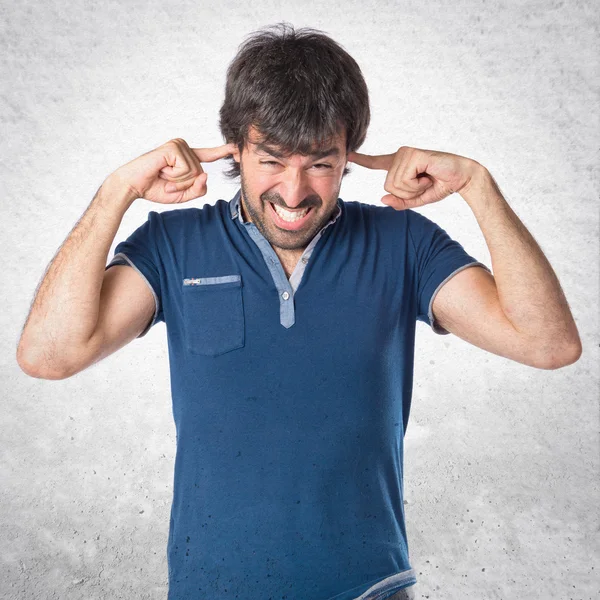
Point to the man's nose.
(294, 188)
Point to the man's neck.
(289, 259)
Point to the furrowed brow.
(324, 153)
(262, 147)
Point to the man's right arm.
(81, 313)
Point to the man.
(291, 320)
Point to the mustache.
(276, 199)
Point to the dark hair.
(297, 88)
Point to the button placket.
(280, 279)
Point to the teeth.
(288, 216)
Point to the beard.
(256, 210)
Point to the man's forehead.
(257, 143)
(263, 148)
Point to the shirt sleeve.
(140, 251)
(437, 259)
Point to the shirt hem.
(389, 586)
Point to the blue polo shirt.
(290, 397)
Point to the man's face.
(294, 183)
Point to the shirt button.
(285, 295)
(305, 260)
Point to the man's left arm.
(520, 312)
(527, 289)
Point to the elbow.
(31, 365)
(572, 356)
(559, 358)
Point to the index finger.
(212, 154)
(381, 161)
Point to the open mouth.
(290, 220)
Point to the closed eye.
(320, 166)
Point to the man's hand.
(171, 173)
(417, 177)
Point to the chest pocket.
(213, 314)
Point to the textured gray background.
(501, 460)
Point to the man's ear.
(236, 154)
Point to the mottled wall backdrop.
(501, 459)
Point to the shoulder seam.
(412, 241)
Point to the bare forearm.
(65, 309)
(529, 291)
